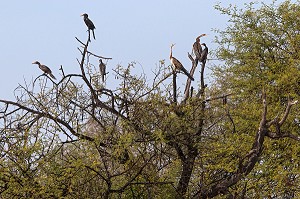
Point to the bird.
(204, 53)
(45, 69)
(177, 65)
(89, 24)
(197, 47)
(102, 67)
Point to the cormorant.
(89, 24)
(204, 53)
(102, 67)
(44, 68)
(178, 66)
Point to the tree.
(77, 138)
(260, 50)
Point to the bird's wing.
(204, 54)
(176, 63)
(89, 24)
(46, 69)
(197, 50)
(102, 69)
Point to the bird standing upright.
(102, 67)
(204, 53)
(197, 47)
(89, 24)
(177, 65)
(44, 68)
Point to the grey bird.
(45, 69)
(102, 67)
(177, 65)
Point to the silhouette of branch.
(174, 87)
(188, 81)
(46, 115)
(101, 57)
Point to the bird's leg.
(89, 39)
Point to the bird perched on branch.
(178, 66)
(89, 24)
(204, 53)
(197, 48)
(102, 67)
(45, 69)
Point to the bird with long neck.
(177, 66)
(89, 24)
(45, 69)
(197, 49)
(204, 54)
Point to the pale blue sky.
(126, 30)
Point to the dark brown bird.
(178, 66)
(204, 53)
(89, 24)
(45, 69)
(197, 48)
(102, 67)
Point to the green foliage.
(260, 49)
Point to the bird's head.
(36, 62)
(198, 38)
(84, 15)
(100, 60)
(203, 44)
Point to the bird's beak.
(202, 35)
(81, 15)
(33, 62)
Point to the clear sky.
(126, 30)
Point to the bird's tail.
(94, 34)
(187, 73)
(51, 75)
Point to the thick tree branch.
(189, 81)
(174, 87)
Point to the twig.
(101, 57)
(62, 70)
(98, 55)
